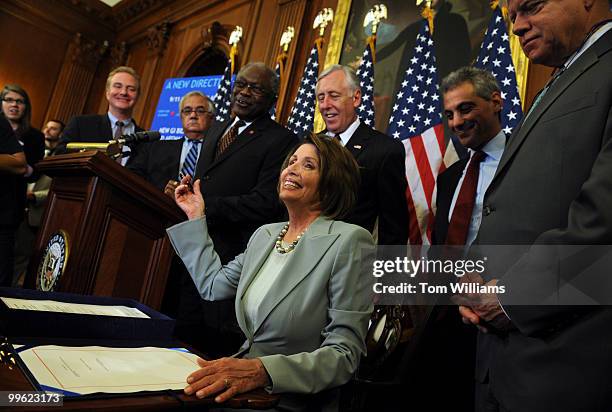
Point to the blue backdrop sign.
(167, 118)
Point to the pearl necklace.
(279, 241)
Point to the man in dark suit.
(382, 194)
(122, 92)
(472, 106)
(551, 188)
(161, 162)
(239, 168)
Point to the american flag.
(417, 121)
(277, 70)
(365, 72)
(495, 57)
(223, 97)
(301, 119)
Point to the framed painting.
(459, 28)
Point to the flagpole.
(302, 118)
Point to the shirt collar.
(590, 41)
(188, 140)
(246, 124)
(114, 120)
(346, 135)
(494, 147)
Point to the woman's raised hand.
(189, 198)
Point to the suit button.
(206, 178)
(486, 210)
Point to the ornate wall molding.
(157, 38)
(134, 9)
(87, 52)
(119, 54)
(216, 36)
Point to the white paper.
(78, 308)
(95, 369)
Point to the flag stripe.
(417, 121)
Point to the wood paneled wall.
(61, 51)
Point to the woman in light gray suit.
(303, 298)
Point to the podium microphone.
(138, 137)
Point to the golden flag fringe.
(427, 13)
(282, 57)
(235, 37)
(372, 44)
(504, 8)
(374, 16)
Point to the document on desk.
(78, 308)
(96, 369)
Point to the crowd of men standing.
(503, 193)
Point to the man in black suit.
(382, 194)
(472, 106)
(161, 162)
(122, 92)
(239, 168)
(546, 347)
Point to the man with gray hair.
(549, 337)
(381, 159)
(472, 106)
(161, 162)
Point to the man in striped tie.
(162, 162)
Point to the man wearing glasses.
(162, 163)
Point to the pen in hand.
(184, 181)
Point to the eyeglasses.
(10, 100)
(256, 89)
(199, 111)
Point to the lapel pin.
(357, 146)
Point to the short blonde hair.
(123, 69)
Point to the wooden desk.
(15, 380)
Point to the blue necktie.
(191, 160)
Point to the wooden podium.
(115, 224)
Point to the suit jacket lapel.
(300, 265)
(561, 84)
(445, 196)
(105, 128)
(359, 141)
(176, 148)
(207, 156)
(248, 135)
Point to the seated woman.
(302, 298)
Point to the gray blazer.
(311, 329)
(553, 186)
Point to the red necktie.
(462, 213)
